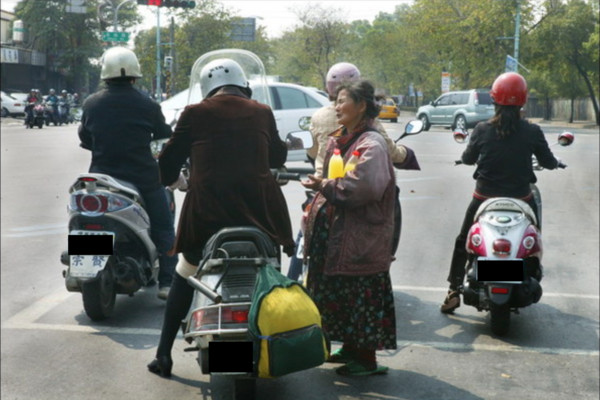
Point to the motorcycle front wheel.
(99, 295)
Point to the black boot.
(178, 304)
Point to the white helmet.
(120, 62)
(221, 72)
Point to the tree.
(316, 45)
(572, 29)
(69, 40)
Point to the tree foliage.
(410, 47)
(69, 40)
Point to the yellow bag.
(285, 325)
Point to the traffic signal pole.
(158, 71)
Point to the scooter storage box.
(285, 325)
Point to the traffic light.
(168, 3)
(178, 3)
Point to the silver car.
(461, 109)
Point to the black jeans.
(459, 255)
(162, 232)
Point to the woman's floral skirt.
(356, 310)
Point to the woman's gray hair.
(362, 90)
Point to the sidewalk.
(564, 124)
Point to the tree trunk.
(584, 74)
(547, 108)
(572, 110)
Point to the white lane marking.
(498, 348)
(37, 230)
(26, 318)
(401, 288)
(39, 227)
(61, 231)
(426, 178)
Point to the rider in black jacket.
(502, 148)
(117, 125)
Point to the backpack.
(285, 326)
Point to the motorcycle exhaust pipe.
(205, 289)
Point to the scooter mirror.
(566, 138)
(412, 128)
(299, 140)
(460, 135)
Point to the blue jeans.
(295, 269)
(162, 232)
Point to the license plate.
(501, 271)
(87, 266)
(85, 243)
(230, 357)
(89, 252)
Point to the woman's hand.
(313, 183)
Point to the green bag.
(285, 325)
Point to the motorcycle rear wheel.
(99, 295)
(500, 319)
(244, 388)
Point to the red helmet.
(509, 89)
(338, 73)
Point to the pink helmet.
(338, 73)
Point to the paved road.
(51, 350)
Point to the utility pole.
(517, 34)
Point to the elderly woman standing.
(349, 238)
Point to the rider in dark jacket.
(117, 125)
(502, 148)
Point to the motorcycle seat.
(506, 204)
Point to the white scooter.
(505, 250)
(110, 250)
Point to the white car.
(11, 106)
(293, 106)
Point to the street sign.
(511, 64)
(115, 36)
(446, 82)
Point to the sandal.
(354, 368)
(340, 356)
(451, 303)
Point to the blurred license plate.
(508, 271)
(230, 357)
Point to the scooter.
(51, 113)
(110, 250)
(35, 117)
(64, 116)
(504, 246)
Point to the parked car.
(11, 106)
(389, 110)
(461, 109)
(293, 107)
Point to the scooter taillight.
(531, 243)
(216, 316)
(96, 203)
(499, 290)
(92, 203)
(475, 242)
(501, 247)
